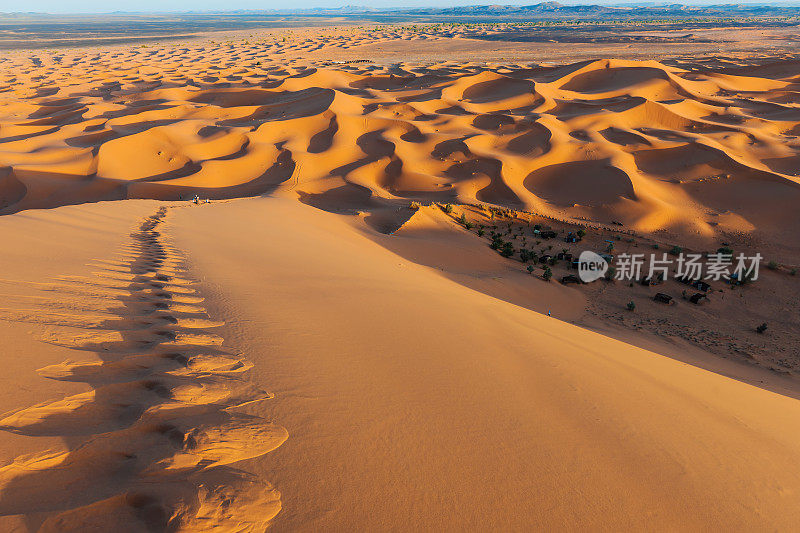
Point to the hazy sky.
(105, 6)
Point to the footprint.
(153, 441)
(220, 500)
(117, 406)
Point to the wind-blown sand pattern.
(653, 145)
(152, 440)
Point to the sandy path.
(415, 403)
(149, 446)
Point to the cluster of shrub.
(506, 248)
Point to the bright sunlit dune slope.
(411, 400)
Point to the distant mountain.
(550, 9)
(478, 13)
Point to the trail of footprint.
(150, 446)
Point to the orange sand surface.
(339, 353)
(407, 398)
(700, 150)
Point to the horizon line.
(406, 8)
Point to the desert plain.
(283, 278)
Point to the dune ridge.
(678, 146)
(150, 445)
(414, 399)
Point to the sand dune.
(418, 382)
(661, 147)
(407, 396)
(446, 409)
